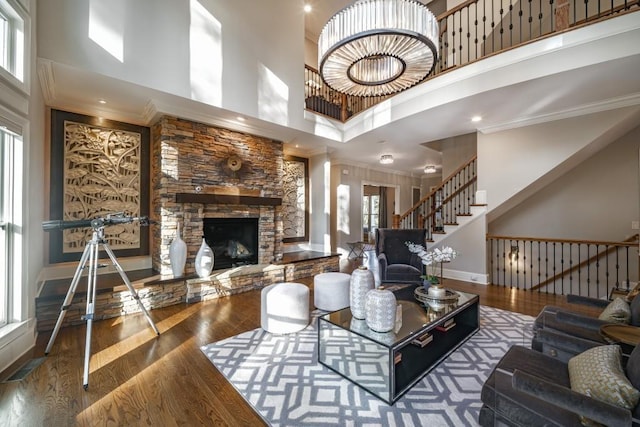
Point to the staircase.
(448, 207)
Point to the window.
(10, 171)
(12, 39)
(370, 212)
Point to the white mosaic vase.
(361, 282)
(178, 254)
(204, 260)
(380, 310)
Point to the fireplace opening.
(234, 241)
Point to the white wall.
(244, 56)
(319, 215)
(519, 162)
(456, 151)
(597, 200)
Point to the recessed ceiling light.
(102, 101)
(476, 118)
(307, 8)
(241, 119)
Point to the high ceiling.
(524, 86)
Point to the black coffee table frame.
(388, 365)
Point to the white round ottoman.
(284, 308)
(331, 291)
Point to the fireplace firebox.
(234, 241)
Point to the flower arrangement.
(431, 260)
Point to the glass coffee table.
(389, 364)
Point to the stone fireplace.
(201, 172)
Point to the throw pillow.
(598, 373)
(618, 311)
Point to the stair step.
(451, 223)
(438, 232)
(464, 214)
(478, 204)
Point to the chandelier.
(378, 47)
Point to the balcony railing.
(474, 30)
(580, 267)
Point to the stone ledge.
(158, 291)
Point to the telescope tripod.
(90, 255)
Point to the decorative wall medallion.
(233, 166)
(234, 163)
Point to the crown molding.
(47, 80)
(598, 107)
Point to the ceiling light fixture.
(430, 169)
(102, 101)
(240, 119)
(386, 159)
(307, 8)
(378, 47)
(476, 118)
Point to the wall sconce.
(386, 159)
(513, 254)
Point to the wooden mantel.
(227, 199)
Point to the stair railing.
(557, 266)
(442, 206)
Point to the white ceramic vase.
(361, 282)
(380, 310)
(204, 260)
(177, 254)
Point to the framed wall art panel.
(98, 167)
(295, 202)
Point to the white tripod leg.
(67, 300)
(134, 294)
(91, 298)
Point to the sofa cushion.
(618, 311)
(598, 373)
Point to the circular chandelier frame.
(362, 57)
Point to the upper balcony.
(474, 30)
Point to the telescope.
(95, 223)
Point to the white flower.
(432, 258)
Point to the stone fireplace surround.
(191, 160)
(186, 155)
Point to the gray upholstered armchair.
(556, 329)
(396, 263)
(528, 388)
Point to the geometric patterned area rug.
(280, 377)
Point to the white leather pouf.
(331, 291)
(284, 308)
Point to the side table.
(625, 334)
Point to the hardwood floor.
(137, 378)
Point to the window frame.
(17, 46)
